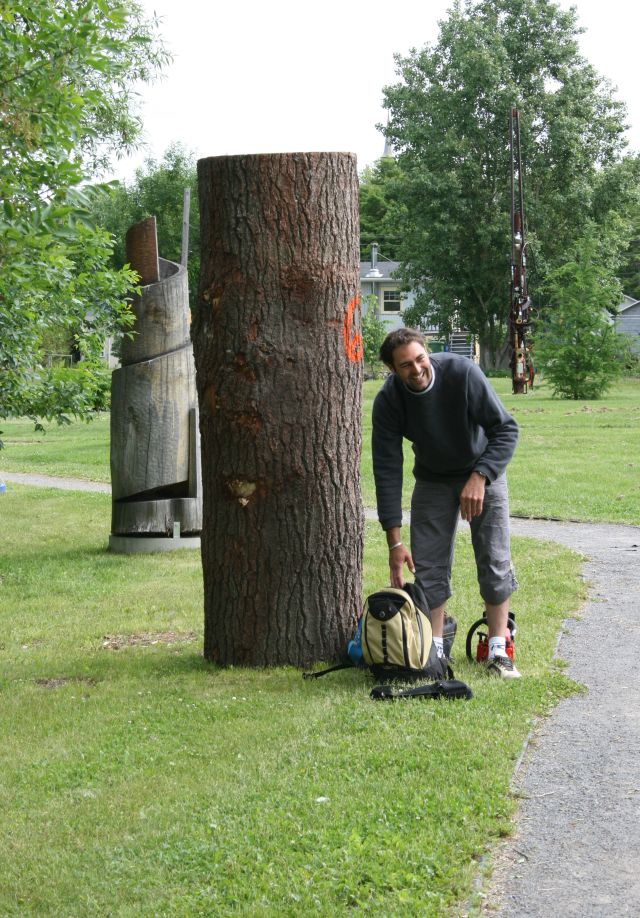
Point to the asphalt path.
(576, 849)
(48, 481)
(576, 846)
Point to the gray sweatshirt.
(457, 426)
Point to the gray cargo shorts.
(435, 510)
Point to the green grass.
(143, 781)
(575, 460)
(76, 450)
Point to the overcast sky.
(276, 76)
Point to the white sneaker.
(503, 668)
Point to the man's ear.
(390, 366)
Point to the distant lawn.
(137, 780)
(575, 460)
(76, 450)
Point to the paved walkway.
(47, 481)
(576, 851)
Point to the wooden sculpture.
(155, 450)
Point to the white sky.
(277, 76)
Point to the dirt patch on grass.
(64, 680)
(146, 639)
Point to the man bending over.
(462, 440)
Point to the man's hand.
(472, 497)
(398, 557)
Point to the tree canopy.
(68, 69)
(449, 121)
(378, 205)
(629, 271)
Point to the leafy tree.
(378, 204)
(374, 331)
(67, 69)
(78, 294)
(157, 191)
(577, 345)
(449, 119)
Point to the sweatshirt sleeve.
(386, 450)
(500, 428)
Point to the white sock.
(439, 642)
(497, 647)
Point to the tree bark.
(279, 378)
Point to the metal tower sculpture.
(519, 315)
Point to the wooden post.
(141, 244)
(279, 375)
(186, 207)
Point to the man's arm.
(501, 430)
(386, 449)
(386, 452)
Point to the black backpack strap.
(447, 688)
(332, 669)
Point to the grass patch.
(76, 450)
(139, 780)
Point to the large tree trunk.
(279, 377)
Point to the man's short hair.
(398, 338)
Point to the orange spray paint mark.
(352, 342)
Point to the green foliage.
(77, 292)
(577, 345)
(67, 71)
(378, 206)
(157, 191)
(374, 331)
(449, 120)
(91, 381)
(629, 270)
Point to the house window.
(391, 301)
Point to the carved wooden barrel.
(155, 454)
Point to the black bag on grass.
(446, 688)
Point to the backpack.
(395, 637)
(394, 640)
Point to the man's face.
(412, 365)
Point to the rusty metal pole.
(519, 315)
